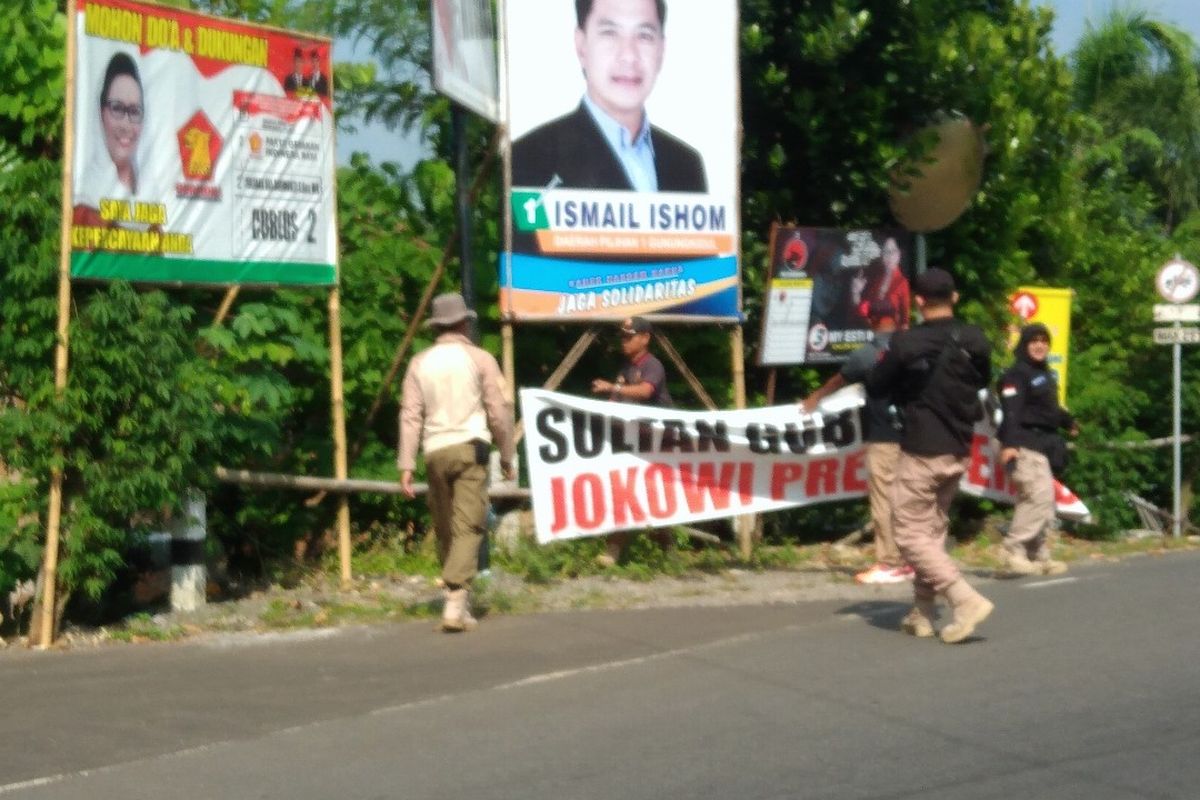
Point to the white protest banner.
(596, 467)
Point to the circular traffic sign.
(1024, 305)
(1178, 281)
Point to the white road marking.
(32, 784)
(1051, 582)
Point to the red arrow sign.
(1024, 305)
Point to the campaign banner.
(623, 189)
(820, 288)
(464, 54)
(1052, 308)
(596, 467)
(203, 150)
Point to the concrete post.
(189, 574)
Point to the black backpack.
(948, 384)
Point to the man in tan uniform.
(883, 442)
(455, 405)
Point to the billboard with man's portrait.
(623, 160)
(203, 150)
(823, 287)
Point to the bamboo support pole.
(508, 361)
(561, 371)
(226, 305)
(44, 627)
(694, 382)
(571, 358)
(738, 363)
(343, 486)
(745, 525)
(338, 400)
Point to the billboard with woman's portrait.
(623, 160)
(822, 283)
(203, 150)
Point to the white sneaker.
(881, 573)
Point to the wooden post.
(45, 626)
(772, 378)
(571, 358)
(226, 305)
(560, 372)
(745, 524)
(738, 364)
(507, 359)
(339, 431)
(685, 370)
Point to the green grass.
(142, 628)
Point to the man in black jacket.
(933, 374)
(1032, 451)
(608, 141)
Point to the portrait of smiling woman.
(122, 113)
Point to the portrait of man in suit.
(608, 142)
(316, 80)
(296, 79)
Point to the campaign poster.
(623, 162)
(821, 286)
(464, 54)
(203, 150)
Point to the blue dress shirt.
(635, 153)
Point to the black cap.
(1034, 330)
(934, 284)
(635, 325)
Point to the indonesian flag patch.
(1008, 390)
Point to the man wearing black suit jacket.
(608, 142)
(296, 79)
(316, 81)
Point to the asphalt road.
(1082, 687)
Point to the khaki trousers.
(924, 488)
(1034, 514)
(882, 458)
(458, 502)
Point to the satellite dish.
(928, 195)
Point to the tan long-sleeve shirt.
(453, 393)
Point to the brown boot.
(1049, 566)
(1017, 564)
(1044, 563)
(918, 621)
(969, 608)
(456, 613)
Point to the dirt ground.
(821, 572)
